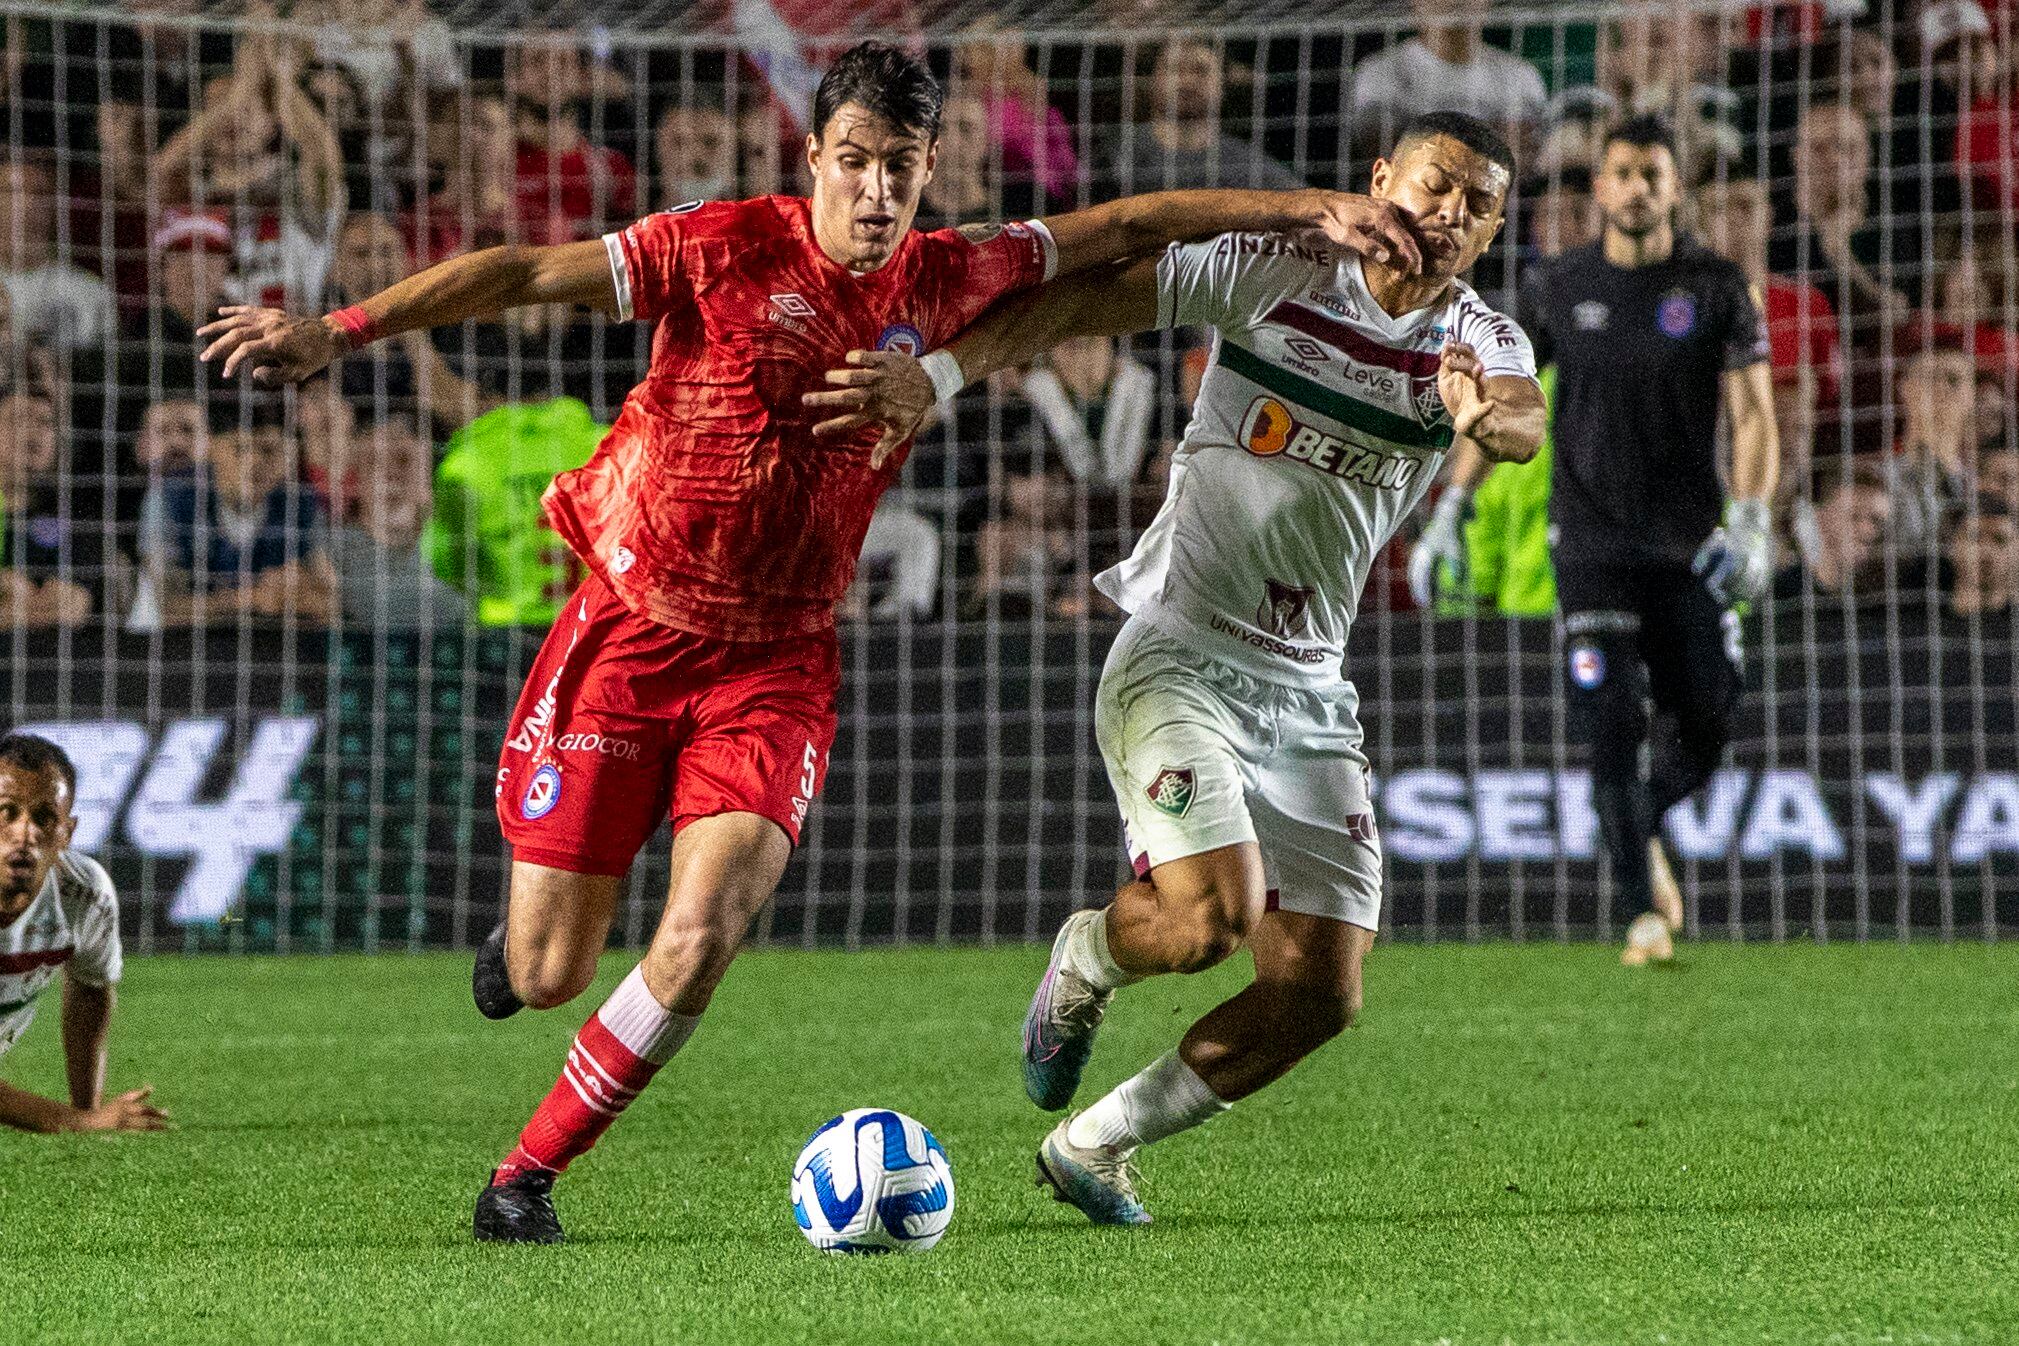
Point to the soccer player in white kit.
(1229, 729)
(57, 912)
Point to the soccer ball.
(872, 1181)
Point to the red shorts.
(623, 721)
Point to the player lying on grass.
(1338, 380)
(695, 671)
(57, 910)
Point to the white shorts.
(1203, 756)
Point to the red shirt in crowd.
(1802, 330)
(569, 196)
(710, 507)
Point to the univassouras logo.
(1268, 429)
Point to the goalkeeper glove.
(1442, 543)
(1736, 560)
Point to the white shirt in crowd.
(1408, 78)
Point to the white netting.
(306, 746)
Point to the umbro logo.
(1304, 348)
(792, 305)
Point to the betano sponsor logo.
(1269, 429)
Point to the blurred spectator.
(1830, 239)
(1974, 291)
(694, 152)
(385, 580)
(1842, 537)
(565, 186)
(488, 536)
(240, 537)
(1558, 212)
(1998, 477)
(1095, 405)
(1029, 142)
(1064, 499)
(1983, 557)
(966, 183)
(52, 570)
(472, 170)
(767, 147)
(329, 435)
(407, 374)
(1802, 329)
(1952, 66)
(1446, 66)
(1935, 463)
(1670, 60)
(171, 436)
(53, 300)
(384, 45)
(25, 365)
(262, 153)
(1574, 121)
(899, 570)
(1182, 145)
(1857, 67)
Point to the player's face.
(867, 176)
(1636, 188)
(1453, 197)
(35, 826)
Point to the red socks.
(615, 1056)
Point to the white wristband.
(944, 371)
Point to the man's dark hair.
(31, 752)
(1471, 132)
(1645, 132)
(887, 80)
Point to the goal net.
(284, 658)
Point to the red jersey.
(1802, 330)
(710, 507)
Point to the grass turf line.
(1518, 1145)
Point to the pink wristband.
(359, 330)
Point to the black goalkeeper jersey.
(1640, 356)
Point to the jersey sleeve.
(653, 263)
(1745, 332)
(1228, 281)
(981, 263)
(98, 960)
(1502, 346)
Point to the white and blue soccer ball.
(872, 1181)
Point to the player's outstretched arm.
(284, 348)
(1134, 226)
(130, 1111)
(895, 391)
(1737, 561)
(1503, 414)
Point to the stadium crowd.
(1857, 160)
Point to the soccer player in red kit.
(694, 673)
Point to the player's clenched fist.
(1461, 382)
(886, 388)
(279, 348)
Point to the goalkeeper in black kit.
(1649, 330)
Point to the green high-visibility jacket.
(487, 535)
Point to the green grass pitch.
(1518, 1145)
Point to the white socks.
(647, 1028)
(1166, 1097)
(1087, 955)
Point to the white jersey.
(1317, 430)
(73, 923)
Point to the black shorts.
(1625, 615)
